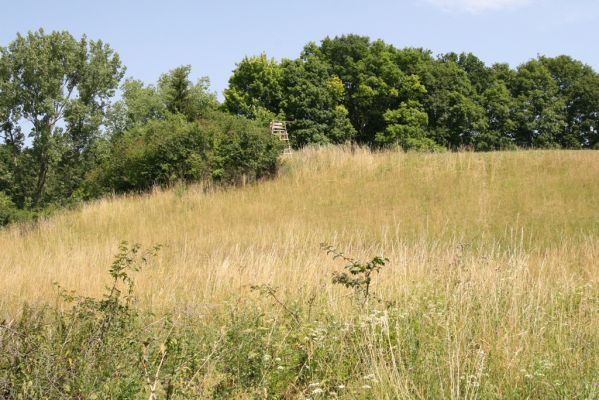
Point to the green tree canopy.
(539, 109)
(175, 93)
(313, 103)
(578, 88)
(254, 87)
(546, 102)
(54, 90)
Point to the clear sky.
(155, 36)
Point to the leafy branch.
(357, 275)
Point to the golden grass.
(538, 210)
(509, 241)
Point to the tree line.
(352, 88)
(65, 138)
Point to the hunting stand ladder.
(279, 129)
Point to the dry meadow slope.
(509, 241)
(536, 210)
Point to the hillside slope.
(491, 290)
(418, 210)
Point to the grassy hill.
(491, 289)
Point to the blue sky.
(155, 36)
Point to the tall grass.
(491, 289)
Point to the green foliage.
(254, 86)
(81, 147)
(478, 74)
(357, 275)
(6, 173)
(241, 149)
(455, 117)
(7, 209)
(578, 86)
(539, 107)
(175, 94)
(223, 148)
(406, 127)
(60, 86)
(351, 80)
(312, 103)
(170, 133)
(140, 105)
(498, 104)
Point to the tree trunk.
(41, 181)
(44, 132)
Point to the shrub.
(220, 147)
(357, 275)
(7, 209)
(10, 213)
(240, 147)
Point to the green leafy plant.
(271, 292)
(85, 346)
(128, 260)
(357, 275)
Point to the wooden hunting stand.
(279, 129)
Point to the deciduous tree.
(54, 90)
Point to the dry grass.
(502, 248)
(540, 209)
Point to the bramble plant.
(112, 321)
(269, 291)
(129, 259)
(358, 275)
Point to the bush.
(8, 211)
(241, 148)
(424, 145)
(219, 148)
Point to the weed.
(357, 275)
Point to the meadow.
(491, 289)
